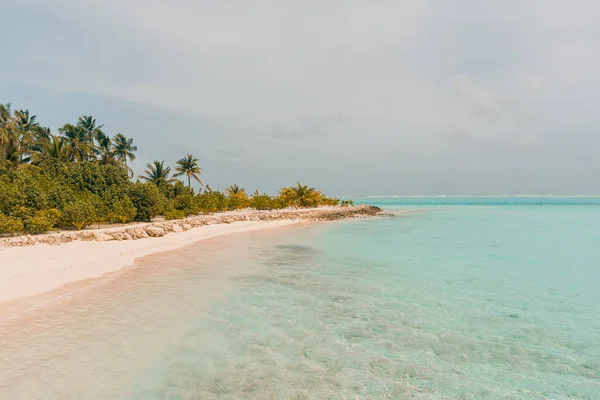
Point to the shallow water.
(474, 298)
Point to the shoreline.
(38, 265)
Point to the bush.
(60, 195)
(79, 214)
(174, 214)
(147, 200)
(186, 203)
(9, 195)
(96, 178)
(123, 211)
(263, 202)
(42, 221)
(10, 225)
(22, 212)
(236, 203)
(212, 201)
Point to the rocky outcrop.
(161, 227)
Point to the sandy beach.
(31, 267)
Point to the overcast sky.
(355, 97)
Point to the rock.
(155, 231)
(137, 233)
(103, 237)
(86, 236)
(117, 235)
(177, 228)
(66, 238)
(160, 227)
(52, 240)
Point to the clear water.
(472, 298)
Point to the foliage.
(237, 197)
(212, 201)
(263, 202)
(188, 166)
(158, 173)
(42, 221)
(79, 214)
(147, 200)
(186, 203)
(80, 175)
(123, 211)
(174, 214)
(10, 225)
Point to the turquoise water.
(493, 298)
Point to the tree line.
(81, 176)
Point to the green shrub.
(42, 221)
(212, 201)
(263, 202)
(9, 195)
(123, 211)
(95, 178)
(186, 203)
(10, 225)
(237, 203)
(79, 214)
(22, 212)
(174, 214)
(31, 185)
(147, 200)
(60, 195)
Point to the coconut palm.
(305, 196)
(79, 144)
(53, 150)
(235, 191)
(288, 196)
(105, 151)
(158, 173)
(27, 131)
(188, 166)
(92, 130)
(8, 128)
(124, 149)
(42, 132)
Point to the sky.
(386, 97)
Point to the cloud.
(481, 99)
(350, 95)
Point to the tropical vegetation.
(81, 176)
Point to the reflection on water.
(470, 303)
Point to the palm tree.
(124, 149)
(234, 191)
(42, 132)
(158, 173)
(288, 195)
(27, 128)
(8, 127)
(305, 196)
(53, 150)
(80, 146)
(188, 166)
(92, 130)
(105, 151)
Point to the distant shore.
(34, 265)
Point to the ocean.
(464, 298)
